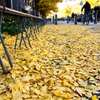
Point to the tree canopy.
(65, 12)
(45, 6)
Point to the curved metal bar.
(17, 34)
(3, 68)
(24, 29)
(4, 43)
(38, 26)
(22, 37)
(34, 28)
(30, 25)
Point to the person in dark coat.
(72, 17)
(98, 15)
(87, 8)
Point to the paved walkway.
(65, 22)
(96, 26)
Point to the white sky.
(65, 2)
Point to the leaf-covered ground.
(63, 64)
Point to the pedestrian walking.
(87, 8)
(72, 17)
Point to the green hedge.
(10, 25)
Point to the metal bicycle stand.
(3, 68)
(30, 25)
(16, 37)
(22, 37)
(41, 25)
(1, 14)
(67, 19)
(55, 19)
(27, 27)
(38, 25)
(95, 21)
(34, 28)
(24, 29)
(75, 19)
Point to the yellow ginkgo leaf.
(44, 89)
(67, 96)
(94, 97)
(17, 95)
(79, 91)
(58, 93)
(25, 53)
(35, 56)
(26, 78)
(37, 91)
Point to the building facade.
(14, 4)
(22, 5)
(2, 2)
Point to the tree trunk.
(36, 7)
(43, 14)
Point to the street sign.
(81, 3)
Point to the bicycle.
(87, 19)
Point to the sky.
(63, 5)
(65, 2)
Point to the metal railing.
(21, 17)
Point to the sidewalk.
(63, 64)
(96, 26)
(70, 23)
